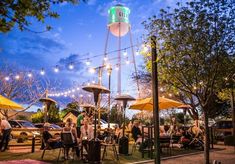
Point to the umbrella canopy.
(6, 103)
(147, 104)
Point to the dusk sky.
(78, 35)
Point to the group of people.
(80, 132)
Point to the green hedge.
(229, 140)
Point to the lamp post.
(109, 98)
(123, 142)
(94, 145)
(155, 100)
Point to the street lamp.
(94, 145)
(123, 142)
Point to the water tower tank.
(119, 20)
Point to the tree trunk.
(207, 140)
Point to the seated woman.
(69, 128)
(48, 139)
(136, 133)
(87, 133)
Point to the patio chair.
(67, 143)
(48, 147)
(165, 143)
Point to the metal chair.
(48, 147)
(68, 142)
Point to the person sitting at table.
(70, 128)
(48, 139)
(5, 128)
(87, 133)
(135, 131)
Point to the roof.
(74, 112)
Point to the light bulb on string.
(71, 66)
(29, 75)
(73, 90)
(78, 88)
(56, 69)
(137, 53)
(7, 78)
(88, 62)
(17, 77)
(106, 58)
(42, 72)
(125, 53)
(92, 70)
(93, 82)
(127, 61)
(116, 67)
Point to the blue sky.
(79, 33)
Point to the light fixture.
(17, 77)
(125, 53)
(42, 72)
(88, 62)
(7, 78)
(105, 58)
(56, 69)
(127, 61)
(137, 52)
(92, 70)
(30, 74)
(117, 68)
(78, 88)
(71, 66)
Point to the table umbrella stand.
(123, 141)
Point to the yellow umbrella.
(147, 104)
(6, 103)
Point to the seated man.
(48, 139)
(135, 131)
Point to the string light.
(125, 53)
(127, 61)
(137, 52)
(92, 70)
(93, 81)
(29, 75)
(17, 77)
(78, 89)
(170, 94)
(116, 67)
(42, 72)
(105, 58)
(56, 69)
(88, 62)
(7, 78)
(71, 66)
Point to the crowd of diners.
(82, 131)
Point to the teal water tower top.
(119, 20)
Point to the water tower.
(119, 26)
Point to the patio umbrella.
(147, 104)
(6, 103)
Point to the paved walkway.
(223, 154)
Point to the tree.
(19, 13)
(38, 117)
(17, 85)
(53, 114)
(196, 50)
(70, 106)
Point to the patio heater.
(123, 141)
(94, 144)
(47, 103)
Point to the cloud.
(71, 59)
(91, 2)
